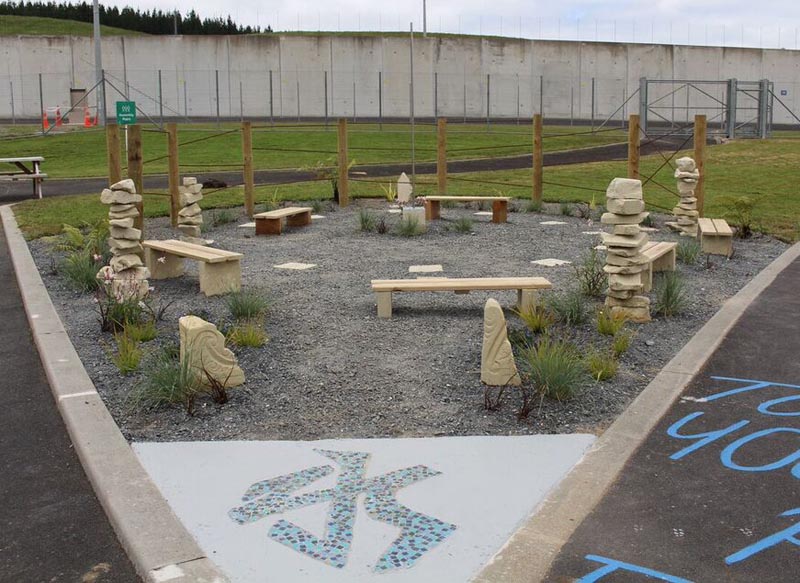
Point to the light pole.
(424, 18)
(98, 66)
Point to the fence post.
(341, 181)
(249, 179)
(633, 146)
(441, 154)
(700, 123)
(113, 153)
(135, 169)
(174, 176)
(538, 158)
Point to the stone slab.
(248, 225)
(483, 214)
(591, 232)
(550, 262)
(317, 217)
(203, 481)
(295, 266)
(550, 223)
(424, 268)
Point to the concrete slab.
(424, 268)
(601, 247)
(550, 223)
(317, 217)
(483, 214)
(408, 510)
(550, 262)
(592, 232)
(295, 266)
(248, 225)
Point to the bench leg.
(432, 210)
(384, 304)
(220, 278)
(526, 299)
(647, 278)
(162, 265)
(664, 263)
(268, 226)
(715, 245)
(300, 220)
(499, 211)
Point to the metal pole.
(160, 99)
(488, 94)
(98, 63)
(411, 109)
(13, 114)
(241, 103)
(517, 98)
(41, 102)
(297, 82)
(185, 100)
(436, 96)
(571, 105)
(424, 18)
(325, 85)
(216, 85)
(541, 95)
(593, 82)
(380, 100)
(271, 111)
(354, 102)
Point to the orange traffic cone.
(87, 119)
(96, 116)
(58, 117)
(45, 123)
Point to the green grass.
(36, 25)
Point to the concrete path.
(52, 527)
(713, 493)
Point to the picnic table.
(28, 168)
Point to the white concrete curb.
(159, 546)
(529, 553)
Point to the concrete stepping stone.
(549, 223)
(550, 262)
(592, 232)
(601, 247)
(248, 225)
(424, 268)
(483, 214)
(395, 211)
(317, 217)
(295, 266)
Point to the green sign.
(126, 113)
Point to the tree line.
(150, 22)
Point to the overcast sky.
(730, 22)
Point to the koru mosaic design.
(420, 533)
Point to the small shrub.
(389, 192)
(536, 318)
(670, 294)
(248, 333)
(566, 209)
(533, 206)
(609, 324)
(128, 354)
(272, 201)
(366, 220)
(246, 305)
(591, 277)
(740, 212)
(381, 227)
(463, 225)
(80, 269)
(602, 365)
(222, 217)
(583, 210)
(554, 367)
(648, 221)
(317, 206)
(166, 381)
(115, 313)
(570, 308)
(141, 331)
(688, 251)
(621, 343)
(409, 227)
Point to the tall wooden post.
(441, 155)
(700, 123)
(538, 158)
(342, 184)
(135, 169)
(633, 146)
(113, 153)
(249, 177)
(174, 173)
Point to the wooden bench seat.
(716, 237)
(526, 288)
(661, 256)
(220, 270)
(499, 205)
(270, 222)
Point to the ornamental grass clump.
(591, 277)
(536, 318)
(610, 324)
(366, 221)
(688, 251)
(167, 381)
(128, 354)
(248, 333)
(621, 343)
(80, 270)
(602, 364)
(463, 225)
(569, 308)
(671, 296)
(246, 305)
(409, 227)
(554, 367)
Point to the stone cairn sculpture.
(125, 275)
(190, 217)
(204, 346)
(686, 212)
(624, 259)
(497, 359)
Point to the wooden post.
(249, 177)
(343, 187)
(633, 146)
(113, 153)
(135, 169)
(700, 159)
(441, 154)
(538, 158)
(174, 175)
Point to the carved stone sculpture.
(190, 217)
(404, 189)
(204, 346)
(686, 213)
(497, 359)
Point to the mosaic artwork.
(419, 532)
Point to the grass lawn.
(36, 25)
(82, 153)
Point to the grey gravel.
(332, 369)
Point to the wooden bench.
(661, 257)
(526, 288)
(269, 223)
(499, 205)
(28, 168)
(716, 237)
(220, 271)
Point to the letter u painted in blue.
(703, 438)
(726, 457)
(612, 565)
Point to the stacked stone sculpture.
(204, 347)
(190, 217)
(624, 258)
(686, 213)
(497, 359)
(126, 275)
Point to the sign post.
(126, 115)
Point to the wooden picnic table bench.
(269, 223)
(526, 288)
(28, 168)
(716, 236)
(499, 205)
(220, 271)
(661, 256)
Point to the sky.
(771, 24)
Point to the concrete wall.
(367, 76)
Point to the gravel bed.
(332, 369)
